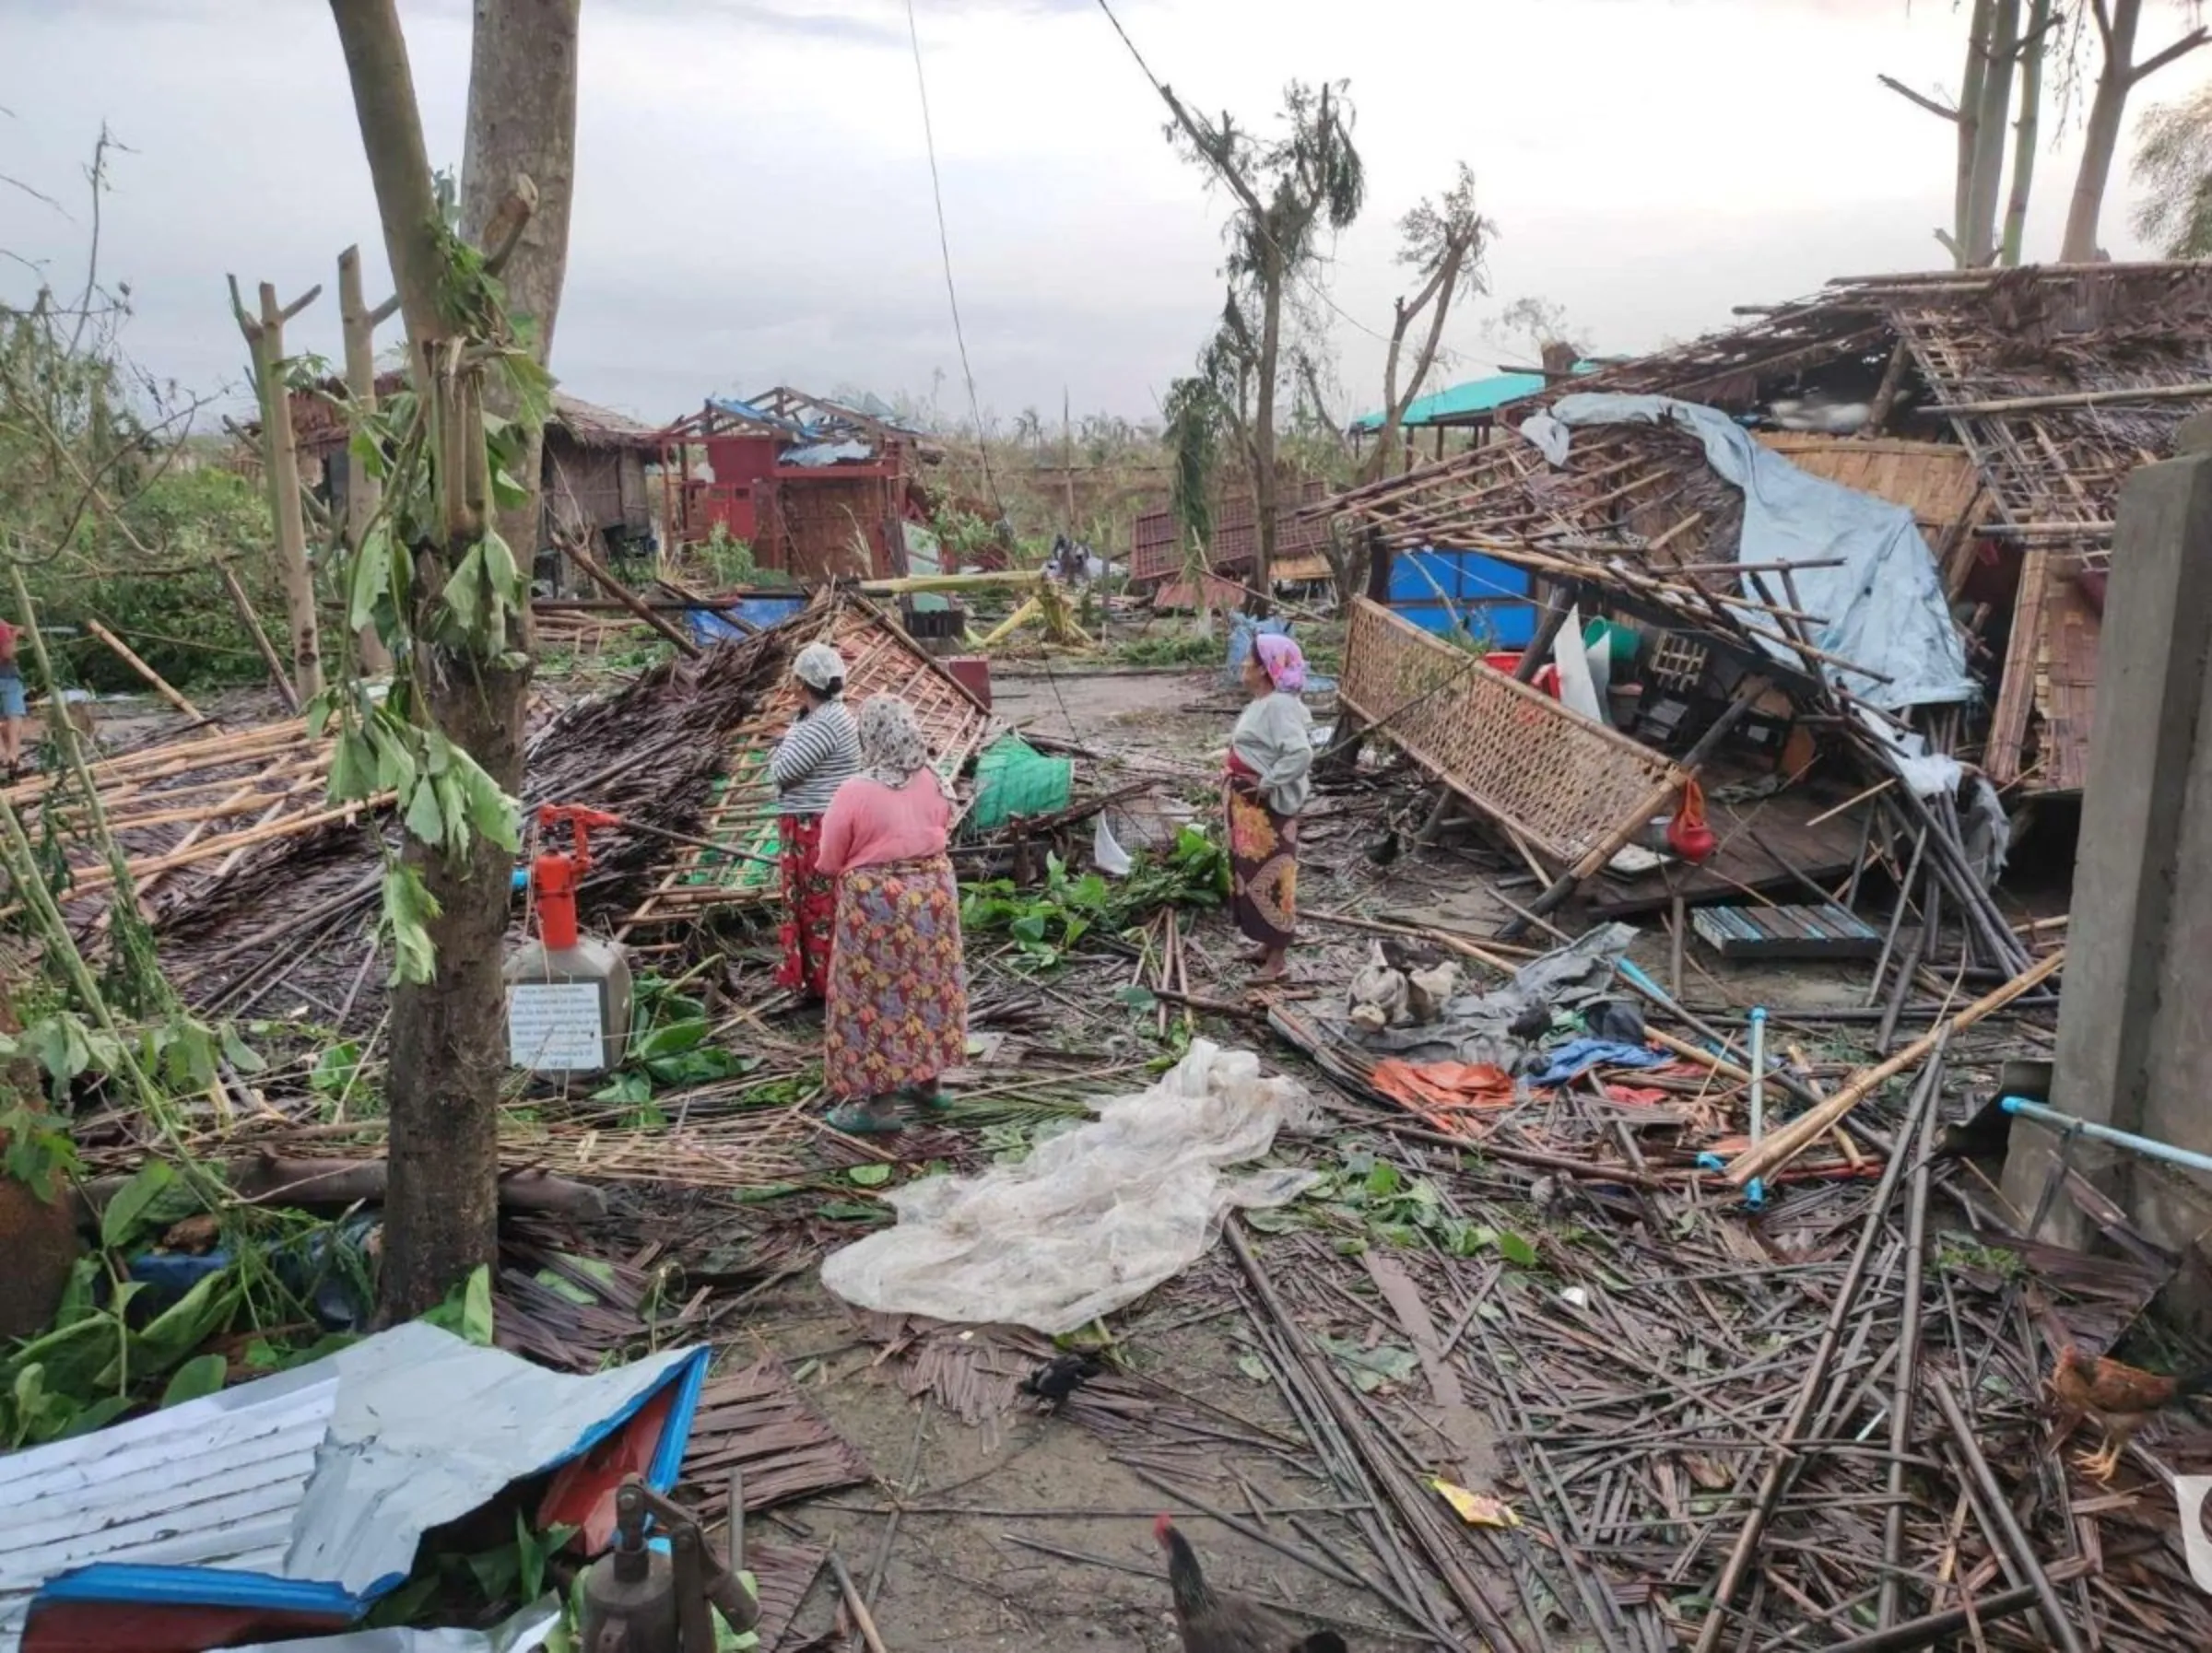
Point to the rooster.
(1051, 1383)
(1210, 1623)
(2121, 1398)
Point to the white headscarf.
(892, 745)
(817, 666)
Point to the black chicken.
(1059, 1378)
(1211, 1623)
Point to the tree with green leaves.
(1290, 190)
(2173, 169)
(439, 576)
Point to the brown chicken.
(2121, 1398)
(1212, 1622)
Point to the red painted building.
(819, 490)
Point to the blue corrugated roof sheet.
(307, 1492)
(1477, 395)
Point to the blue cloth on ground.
(1584, 1053)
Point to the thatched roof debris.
(661, 753)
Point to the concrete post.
(2134, 1013)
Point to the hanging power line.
(1167, 98)
(952, 297)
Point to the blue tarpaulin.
(708, 627)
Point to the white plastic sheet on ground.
(1883, 609)
(1095, 1217)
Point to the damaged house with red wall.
(817, 489)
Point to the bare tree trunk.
(1980, 243)
(2024, 131)
(364, 494)
(522, 122)
(2118, 22)
(448, 1051)
(1262, 436)
(1969, 116)
(280, 465)
(1442, 283)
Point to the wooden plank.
(1780, 932)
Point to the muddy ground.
(953, 1574)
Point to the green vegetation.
(1047, 925)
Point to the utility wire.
(1312, 285)
(929, 138)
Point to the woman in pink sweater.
(898, 1010)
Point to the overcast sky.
(753, 199)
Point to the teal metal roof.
(1477, 395)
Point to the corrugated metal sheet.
(1154, 553)
(309, 1490)
(214, 1483)
(1475, 396)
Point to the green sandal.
(856, 1120)
(933, 1099)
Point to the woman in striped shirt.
(809, 765)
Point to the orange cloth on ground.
(1442, 1092)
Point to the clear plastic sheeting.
(1883, 608)
(1095, 1217)
(524, 1633)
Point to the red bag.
(1686, 834)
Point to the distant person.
(11, 702)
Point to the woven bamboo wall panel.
(1935, 481)
(1561, 782)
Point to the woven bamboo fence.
(1561, 782)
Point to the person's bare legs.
(1275, 964)
(11, 742)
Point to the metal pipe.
(1631, 973)
(1759, 1072)
(1755, 1192)
(2067, 1124)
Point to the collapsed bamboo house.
(2005, 408)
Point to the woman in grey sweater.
(809, 764)
(1270, 754)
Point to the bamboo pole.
(2197, 391)
(1793, 1139)
(630, 600)
(160, 686)
(244, 605)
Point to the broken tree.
(452, 726)
(280, 465)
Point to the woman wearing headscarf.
(819, 754)
(897, 1014)
(1270, 754)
